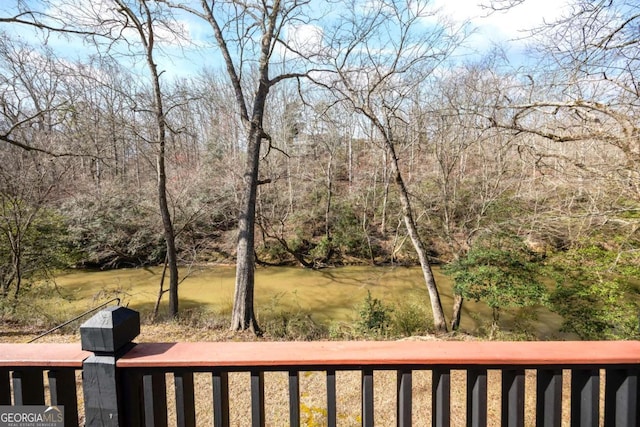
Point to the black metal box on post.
(109, 335)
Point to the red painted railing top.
(42, 355)
(335, 353)
(385, 353)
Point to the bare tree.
(33, 110)
(249, 33)
(376, 58)
(587, 88)
(31, 97)
(145, 21)
(134, 26)
(475, 165)
(27, 184)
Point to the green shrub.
(411, 318)
(322, 251)
(39, 244)
(593, 293)
(273, 251)
(502, 273)
(348, 235)
(374, 317)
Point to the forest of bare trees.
(309, 137)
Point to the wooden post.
(108, 335)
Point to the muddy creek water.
(331, 294)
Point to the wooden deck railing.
(25, 365)
(125, 384)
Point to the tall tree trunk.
(457, 311)
(385, 194)
(243, 317)
(167, 223)
(439, 321)
(169, 235)
(161, 291)
(327, 209)
(350, 161)
(17, 267)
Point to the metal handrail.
(75, 318)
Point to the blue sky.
(507, 27)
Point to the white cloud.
(306, 39)
(501, 26)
